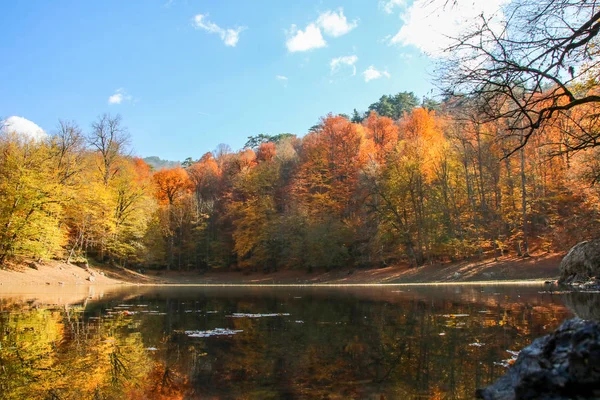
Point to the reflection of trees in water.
(397, 350)
(402, 346)
(585, 305)
(53, 353)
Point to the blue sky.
(188, 75)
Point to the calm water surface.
(269, 343)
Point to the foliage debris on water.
(246, 315)
(213, 332)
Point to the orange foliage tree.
(171, 185)
(331, 160)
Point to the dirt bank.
(53, 273)
(543, 267)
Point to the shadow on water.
(585, 305)
(271, 343)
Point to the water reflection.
(270, 343)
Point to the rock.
(91, 278)
(456, 275)
(102, 273)
(562, 365)
(581, 263)
(82, 264)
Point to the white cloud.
(119, 97)
(335, 23)
(232, 36)
(116, 98)
(200, 22)
(282, 79)
(431, 25)
(337, 63)
(310, 38)
(229, 36)
(388, 5)
(332, 23)
(372, 73)
(22, 126)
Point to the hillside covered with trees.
(435, 184)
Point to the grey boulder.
(562, 365)
(581, 263)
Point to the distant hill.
(157, 163)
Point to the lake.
(379, 342)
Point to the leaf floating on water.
(476, 344)
(152, 349)
(455, 315)
(560, 292)
(153, 312)
(503, 363)
(244, 315)
(124, 312)
(214, 332)
(510, 361)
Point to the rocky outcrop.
(581, 264)
(563, 365)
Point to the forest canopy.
(431, 185)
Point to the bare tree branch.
(533, 66)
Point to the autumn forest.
(405, 182)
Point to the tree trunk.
(524, 204)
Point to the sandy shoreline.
(534, 282)
(58, 284)
(535, 270)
